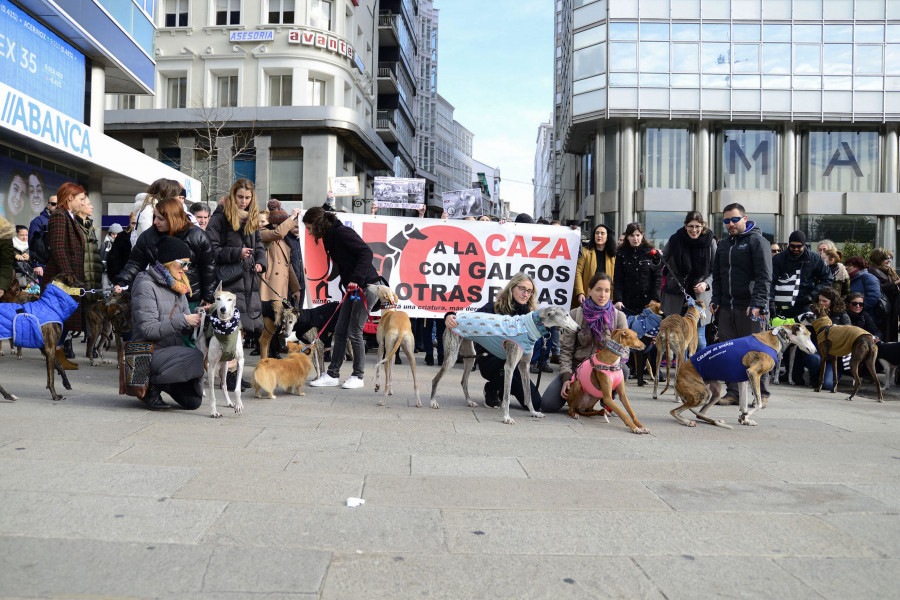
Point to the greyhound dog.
(835, 341)
(225, 344)
(676, 336)
(698, 381)
(509, 337)
(395, 331)
(596, 377)
(275, 319)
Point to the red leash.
(322, 330)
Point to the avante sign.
(318, 39)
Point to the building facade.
(789, 107)
(283, 92)
(62, 57)
(426, 101)
(488, 179)
(543, 173)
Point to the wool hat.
(798, 237)
(524, 218)
(115, 228)
(277, 215)
(171, 248)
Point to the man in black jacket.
(797, 277)
(742, 275)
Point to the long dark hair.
(632, 227)
(321, 221)
(609, 248)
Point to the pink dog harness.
(583, 374)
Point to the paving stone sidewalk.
(104, 499)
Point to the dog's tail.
(264, 378)
(670, 356)
(393, 351)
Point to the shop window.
(747, 159)
(665, 158)
(177, 13)
(281, 12)
(841, 160)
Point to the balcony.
(388, 29)
(388, 81)
(386, 125)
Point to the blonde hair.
(505, 304)
(233, 211)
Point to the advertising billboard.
(24, 190)
(39, 64)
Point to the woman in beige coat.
(279, 280)
(596, 315)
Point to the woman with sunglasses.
(689, 259)
(889, 351)
(160, 314)
(169, 220)
(519, 297)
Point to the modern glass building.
(789, 107)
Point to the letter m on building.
(760, 156)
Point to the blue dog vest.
(724, 361)
(490, 330)
(645, 324)
(22, 322)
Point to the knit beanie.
(798, 237)
(524, 218)
(171, 248)
(277, 215)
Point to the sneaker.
(325, 380)
(728, 401)
(353, 383)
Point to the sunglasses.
(732, 220)
(184, 264)
(51, 204)
(774, 251)
(795, 246)
(855, 303)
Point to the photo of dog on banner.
(711, 320)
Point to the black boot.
(67, 348)
(154, 398)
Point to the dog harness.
(22, 322)
(840, 336)
(613, 371)
(724, 361)
(645, 324)
(226, 333)
(490, 330)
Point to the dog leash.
(324, 327)
(688, 298)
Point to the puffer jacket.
(93, 266)
(152, 301)
(227, 245)
(201, 273)
(575, 347)
(814, 275)
(350, 254)
(638, 277)
(742, 270)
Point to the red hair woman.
(66, 245)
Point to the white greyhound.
(226, 343)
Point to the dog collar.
(225, 327)
(72, 291)
(599, 366)
(622, 351)
(536, 318)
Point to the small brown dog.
(605, 374)
(677, 335)
(288, 373)
(395, 331)
(836, 341)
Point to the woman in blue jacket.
(863, 282)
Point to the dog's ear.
(218, 289)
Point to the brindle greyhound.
(676, 336)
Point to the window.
(665, 158)
(281, 11)
(228, 12)
(286, 173)
(176, 91)
(747, 159)
(315, 92)
(227, 90)
(125, 101)
(280, 93)
(320, 14)
(841, 160)
(176, 13)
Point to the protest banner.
(344, 186)
(460, 204)
(435, 266)
(399, 192)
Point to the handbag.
(229, 272)
(134, 370)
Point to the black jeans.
(349, 325)
(491, 368)
(734, 324)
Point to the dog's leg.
(823, 360)
(834, 375)
(239, 354)
(633, 422)
(871, 357)
(714, 392)
(757, 363)
(388, 367)
(524, 362)
(662, 349)
(408, 349)
(574, 399)
(468, 349)
(7, 395)
(51, 334)
(513, 356)
(212, 362)
(451, 351)
(792, 355)
(382, 348)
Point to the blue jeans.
(812, 363)
(701, 338)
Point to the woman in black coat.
(638, 272)
(233, 231)
(169, 219)
(352, 258)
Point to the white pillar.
(891, 167)
(628, 176)
(702, 169)
(788, 183)
(98, 96)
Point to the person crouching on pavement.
(160, 313)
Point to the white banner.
(344, 186)
(435, 266)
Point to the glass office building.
(789, 107)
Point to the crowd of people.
(173, 256)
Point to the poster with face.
(24, 190)
(460, 204)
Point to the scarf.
(19, 245)
(691, 257)
(598, 317)
(177, 286)
(225, 328)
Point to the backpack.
(40, 247)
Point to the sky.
(495, 66)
